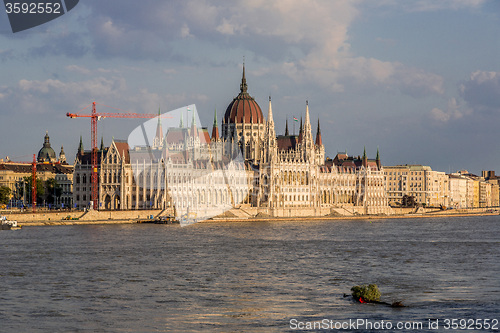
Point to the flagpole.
(293, 121)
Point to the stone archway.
(107, 202)
(117, 202)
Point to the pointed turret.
(62, 156)
(215, 127)
(194, 131)
(181, 123)
(158, 139)
(307, 138)
(243, 85)
(300, 130)
(319, 141)
(377, 160)
(308, 120)
(365, 159)
(286, 128)
(270, 136)
(270, 113)
(102, 143)
(80, 147)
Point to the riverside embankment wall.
(48, 217)
(243, 213)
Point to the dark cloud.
(6, 55)
(68, 44)
(482, 91)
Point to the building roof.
(123, 149)
(343, 162)
(56, 168)
(287, 142)
(243, 108)
(180, 135)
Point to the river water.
(249, 277)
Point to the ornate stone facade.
(247, 167)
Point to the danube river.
(249, 277)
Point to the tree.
(53, 190)
(4, 194)
(409, 201)
(40, 190)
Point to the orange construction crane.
(94, 117)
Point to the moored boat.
(7, 224)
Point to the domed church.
(47, 154)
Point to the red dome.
(243, 108)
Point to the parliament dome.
(243, 108)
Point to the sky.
(420, 80)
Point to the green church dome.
(47, 154)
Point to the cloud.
(51, 96)
(482, 91)
(71, 44)
(78, 69)
(432, 5)
(170, 71)
(6, 55)
(306, 41)
(454, 111)
(391, 75)
(428, 5)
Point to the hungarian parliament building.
(245, 168)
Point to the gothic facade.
(248, 167)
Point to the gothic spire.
(319, 141)
(270, 113)
(365, 160)
(377, 160)
(194, 131)
(102, 143)
(306, 136)
(308, 120)
(243, 85)
(193, 121)
(286, 127)
(215, 128)
(80, 147)
(158, 139)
